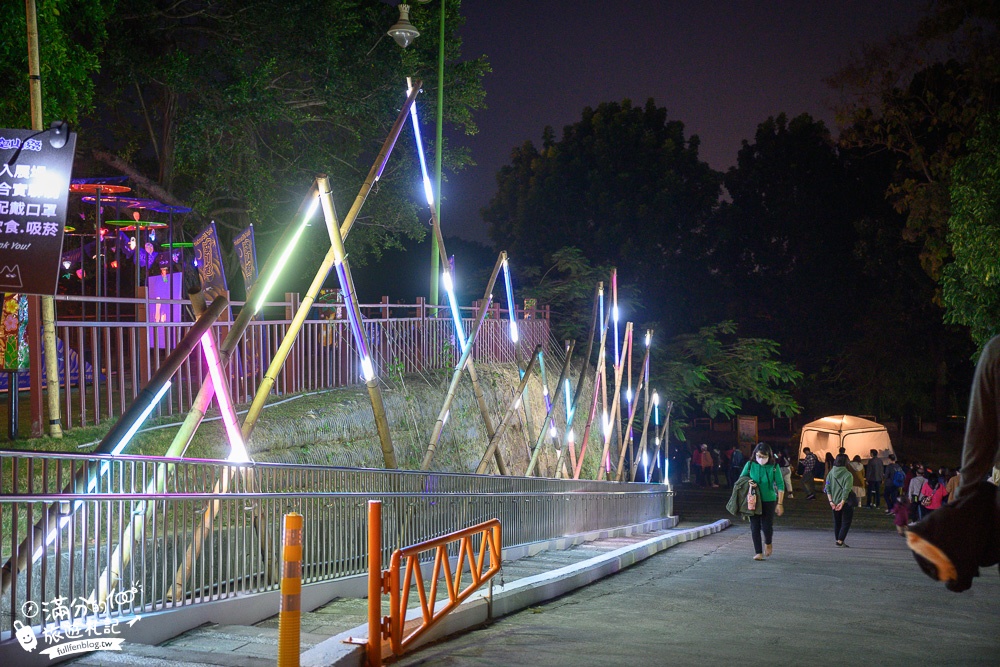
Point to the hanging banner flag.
(35, 169)
(247, 252)
(208, 257)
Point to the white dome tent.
(856, 435)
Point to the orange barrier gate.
(482, 564)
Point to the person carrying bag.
(762, 470)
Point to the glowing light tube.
(237, 447)
(286, 253)
(120, 445)
(367, 369)
(614, 309)
(449, 288)
(569, 403)
(511, 306)
(428, 189)
(92, 484)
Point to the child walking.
(901, 515)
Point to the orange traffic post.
(290, 613)
(374, 652)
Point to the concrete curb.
(512, 597)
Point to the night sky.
(719, 67)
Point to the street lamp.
(404, 33)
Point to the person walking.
(931, 495)
(839, 488)
(857, 469)
(951, 486)
(874, 472)
(809, 463)
(785, 466)
(738, 460)
(893, 478)
(913, 491)
(696, 465)
(901, 514)
(764, 472)
(706, 466)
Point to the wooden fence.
(106, 363)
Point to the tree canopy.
(714, 372)
(72, 34)
(625, 186)
(971, 284)
(919, 96)
(233, 106)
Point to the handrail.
(491, 545)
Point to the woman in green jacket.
(839, 489)
(763, 470)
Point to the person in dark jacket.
(809, 463)
(981, 449)
(874, 472)
(952, 543)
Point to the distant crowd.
(911, 490)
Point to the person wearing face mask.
(763, 470)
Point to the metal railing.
(240, 549)
(106, 363)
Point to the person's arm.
(979, 452)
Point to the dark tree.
(625, 187)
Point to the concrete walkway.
(707, 603)
(531, 574)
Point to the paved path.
(707, 603)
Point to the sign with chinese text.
(34, 191)
(247, 252)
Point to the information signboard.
(746, 430)
(34, 191)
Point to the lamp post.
(404, 33)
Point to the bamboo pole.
(620, 473)
(260, 397)
(548, 415)
(228, 346)
(439, 241)
(203, 399)
(609, 425)
(115, 439)
(645, 421)
(598, 385)
(48, 304)
(450, 396)
(347, 285)
(476, 387)
(662, 436)
(508, 415)
(529, 424)
(567, 443)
